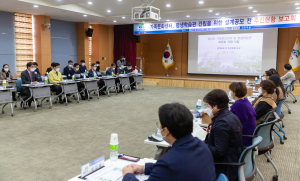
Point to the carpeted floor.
(52, 144)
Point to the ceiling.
(74, 10)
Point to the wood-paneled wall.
(82, 42)
(42, 42)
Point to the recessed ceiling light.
(90, 2)
(108, 11)
(201, 2)
(210, 11)
(298, 11)
(297, 4)
(123, 17)
(168, 5)
(115, 21)
(36, 6)
(298, 8)
(254, 11)
(258, 14)
(85, 15)
(119, 0)
(168, 20)
(217, 14)
(187, 16)
(250, 7)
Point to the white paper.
(198, 131)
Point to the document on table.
(198, 131)
(112, 173)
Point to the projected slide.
(230, 53)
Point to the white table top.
(36, 85)
(67, 82)
(120, 163)
(162, 143)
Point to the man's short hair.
(129, 65)
(56, 64)
(70, 61)
(122, 56)
(93, 64)
(113, 64)
(82, 61)
(98, 62)
(29, 64)
(52, 64)
(177, 118)
(34, 63)
(76, 64)
(288, 66)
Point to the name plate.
(92, 166)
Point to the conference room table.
(69, 87)
(90, 84)
(38, 91)
(109, 82)
(138, 78)
(6, 98)
(118, 164)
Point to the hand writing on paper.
(35, 82)
(128, 169)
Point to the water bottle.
(113, 153)
(46, 80)
(124, 72)
(247, 83)
(73, 77)
(84, 76)
(256, 80)
(4, 84)
(198, 105)
(141, 71)
(259, 78)
(94, 75)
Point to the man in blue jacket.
(82, 67)
(69, 70)
(92, 73)
(189, 159)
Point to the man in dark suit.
(28, 76)
(68, 70)
(50, 68)
(127, 70)
(36, 68)
(111, 71)
(80, 85)
(82, 67)
(98, 66)
(93, 73)
(189, 159)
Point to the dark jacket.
(189, 159)
(126, 70)
(225, 143)
(91, 73)
(37, 71)
(109, 71)
(98, 69)
(25, 77)
(49, 70)
(82, 69)
(69, 72)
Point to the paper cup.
(114, 139)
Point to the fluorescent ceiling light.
(187, 16)
(123, 17)
(108, 11)
(36, 6)
(168, 5)
(250, 7)
(90, 2)
(254, 11)
(210, 11)
(85, 15)
(201, 2)
(115, 21)
(297, 4)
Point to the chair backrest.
(267, 116)
(248, 156)
(292, 84)
(290, 87)
(18, 85)
(265, 131)
(222, 177)
(278, 109)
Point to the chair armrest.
(232, 164)
(251, 136)
(262, 120)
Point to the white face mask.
(161, 134)
(77, 69)
(70, 66)
(32, 69)
(209, 112)
(263, 78)
(97, 65)
(57, 70)
(83, 64)
(113, 68)
(6, 70)
(259, 91)
(230, 95)
(95, 68)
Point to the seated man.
(188, 159)
(80, 85)
(36, 68)
(50, 68)
(289, 76)
(28, 76)
(98, 66)
(128, 70)
(55, 76)
(82, 67)
(111, 71)
(93, 73)
(68, 70)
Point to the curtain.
(125, 44)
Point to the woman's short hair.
(217, 97)
(268, 86)
(288, 66)
(268, 73)
(238, 88)
(273, 71)
(177, 118)
(277, 81)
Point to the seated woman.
(5, 74)
(274, 71)
(265, 102)
(289, 76)
(266, 75)
(243, 109)
(188, 159)
(278, 83)
(225, 137)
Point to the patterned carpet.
(52, 144)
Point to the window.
(24, 41)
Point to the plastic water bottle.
(94, 75)
(46, 80)
(4, 84)
(247, 83)
(73, 77)
(113, 153)
(256, 80)
(84, 76)
(198, 105)
(124, 72)
(141, 71)
(259, 78)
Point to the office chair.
(246, 166)
(289, 88)
(281, 116)
(264, 130)
(222, 177)
(18, 93)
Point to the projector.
(145, 13)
